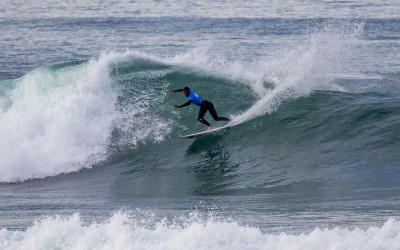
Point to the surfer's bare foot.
(210, 127)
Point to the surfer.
(202, 103)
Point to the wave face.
(63, 118)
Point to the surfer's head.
(186, 91)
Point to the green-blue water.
(89, 140)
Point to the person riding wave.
(202, 103)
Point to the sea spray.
(309, 66)
(141, 94)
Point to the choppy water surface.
(89, 141)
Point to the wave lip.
(122, 231)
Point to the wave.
(124, 231)
(63, 118)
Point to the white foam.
(58, 121)
(123, 231)
(62, 120)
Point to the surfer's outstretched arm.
(183, 105)
(176, 90)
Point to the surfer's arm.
(183, 105)
(176, 90)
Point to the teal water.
(90, 146)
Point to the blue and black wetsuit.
(204, 106)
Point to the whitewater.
(90, 151)
(124, 231)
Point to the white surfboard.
(205, 132)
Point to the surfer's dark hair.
(186, 89)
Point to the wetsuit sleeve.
(186, 104)
(179, 90)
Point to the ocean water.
(90, 151)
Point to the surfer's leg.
(202, 112)
(214, 114)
